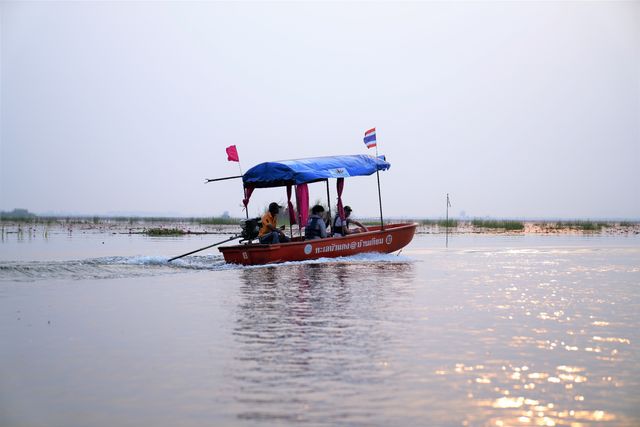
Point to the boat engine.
(250, 229)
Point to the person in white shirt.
(341, 228)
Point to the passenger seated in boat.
(269, 232)
(341, 228)
(315, 228)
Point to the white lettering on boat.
(333, 247)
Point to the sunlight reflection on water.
(553, 354)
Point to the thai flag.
(370, 138)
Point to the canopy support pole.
(247, 195)
(299, 213)
(379, 196)
(328, 200)
(380, 201)
(246, 207)
(246, 210)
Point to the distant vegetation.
(216, 221)
(17, 215)
(440, 222)
(582, 225)
(495, 224)
(23, 215)
(164, 232)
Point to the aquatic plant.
(509, 225)
(164, 232)
(585, 225)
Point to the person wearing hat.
(341, 228)
(269, 232)
(316, 228)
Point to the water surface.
(491, 331)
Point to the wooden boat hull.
(394, 237)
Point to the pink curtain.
(292, 212)
(340, 207)
(247, 196)
(302, 201)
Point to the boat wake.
(140, 266)
(105, 268)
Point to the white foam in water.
(148, 265)
(201, 262)
(146, 260)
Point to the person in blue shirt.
(316, 228)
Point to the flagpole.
(246, 208)
(379, 194)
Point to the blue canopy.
(300, 171)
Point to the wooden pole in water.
(446, 222)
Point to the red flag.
(232, 154)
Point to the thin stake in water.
(446, 223)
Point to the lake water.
(97, 330)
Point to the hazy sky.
(515, 109)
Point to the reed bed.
(509, 225)
(586, 225)
(160, 232)
(452, 223)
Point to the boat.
(297, 174)
(393, 238)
